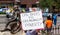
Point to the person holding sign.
(31, 32)
(31, 22)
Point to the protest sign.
(32, 20)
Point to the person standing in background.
(55, 19)
(48, 23)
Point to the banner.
(32, 20)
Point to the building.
(29, 3)
(22, 3)
(4, 3)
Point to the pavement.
(8, 33)
(2, 14)
(4, 20)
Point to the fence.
(55, 30)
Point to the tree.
(50, 3)
(58, 3)
(46, 3)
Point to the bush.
(2, 13)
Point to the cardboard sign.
(32, 20)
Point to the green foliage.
(50, 3)
(2, 13)
(58, 3)
(43, 3)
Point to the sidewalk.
(20, 33)
(2, 14)
(8, 33)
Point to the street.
(4, 20)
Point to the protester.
(48, 23)
(55, 19)
(7, 12)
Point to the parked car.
(2, 11)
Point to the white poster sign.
(32, 20)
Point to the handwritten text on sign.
(32, 20)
